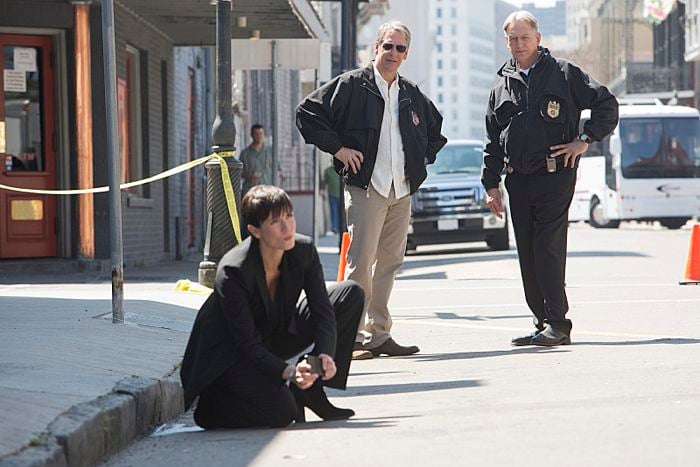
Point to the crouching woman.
(252, 323)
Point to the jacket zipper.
(369, 88)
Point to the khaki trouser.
(378, 228)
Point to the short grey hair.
(393, 26)
(521, 15)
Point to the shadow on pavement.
(593, 254)
(375, 373)
(369, 422)
(404, 388)
(665, 340)
(430, 276)
(492, 353)
(477, 317)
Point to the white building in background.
(412, 13)
(451, 57)
(463, 63)
(577, 23)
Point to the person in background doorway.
(257, 161)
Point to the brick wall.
(158, 223)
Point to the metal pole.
(219, 236)
(223, 132)
(348, 35)
(273, 112)
(348, 48)
(114, 164)
(314, 162)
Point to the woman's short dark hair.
(263, 201)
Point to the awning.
(193, 22)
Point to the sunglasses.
(399, 48)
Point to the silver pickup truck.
(450, 206)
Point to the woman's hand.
(304, 379)
(328, 366)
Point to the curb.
(89, 432)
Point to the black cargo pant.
(244, 397)
(539, 207)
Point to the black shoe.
(315, 399)
(551, 337)
(525, 340)
(392, 349)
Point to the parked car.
(450, 206)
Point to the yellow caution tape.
(102, 189)
(226, 182)
(186, 285)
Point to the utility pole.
(114, 166)
(348, 61)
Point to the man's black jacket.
(527, 116)
(238, 321)
(348, 110)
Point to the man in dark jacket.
(532, 125)
(382, 131)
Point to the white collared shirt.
(389, 166)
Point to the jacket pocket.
(505, 113)
(554, 114)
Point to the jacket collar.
(370, 83)
(289, 263)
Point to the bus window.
(682, 148)
(660, 148)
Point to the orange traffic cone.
(692, 269)
(343, 261)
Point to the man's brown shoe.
(359, 352)
(392, 349)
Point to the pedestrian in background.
(532, 123)
(383, 132)
(257, 161)
(331, 180)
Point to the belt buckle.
(551, 164)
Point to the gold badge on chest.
(553, 109)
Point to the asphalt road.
(627, 392)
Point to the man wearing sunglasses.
(383, 132)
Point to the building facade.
(53, 128)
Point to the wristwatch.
(585, 138)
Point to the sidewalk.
(74, 387)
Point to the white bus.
(648, 169)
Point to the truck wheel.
(499, 240)
(598, 219)
(673, 223)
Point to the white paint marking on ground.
(519, 287)
(623, 335)
(522, 305)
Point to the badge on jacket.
(553, 109)
(414, 117)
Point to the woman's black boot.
(315, 399)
